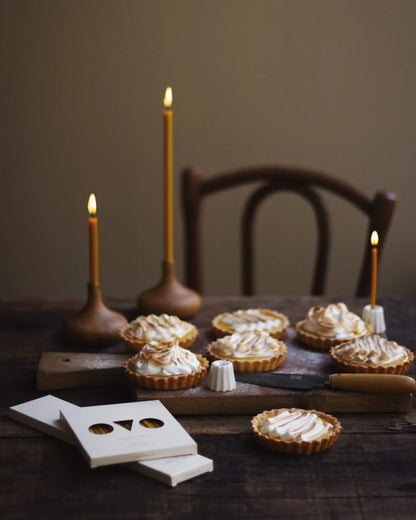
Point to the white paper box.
(43, 414)
(173, 470)
(127, 445)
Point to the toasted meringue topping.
(251, 319)
(371, 351)
(165, 359)
(335, 321)
(248, 344)
(295, 425)
(159, 328)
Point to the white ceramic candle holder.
(375, 318)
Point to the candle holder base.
(169, 296)
(94, 325)
(375, 317)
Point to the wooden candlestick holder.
(169, 296)
(94, 325)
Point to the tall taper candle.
(374, 243)
(93, 233)
(168, 167)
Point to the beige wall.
(324, 84)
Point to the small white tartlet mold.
(221, 376)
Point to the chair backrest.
(268, 180)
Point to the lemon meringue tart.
(372, 354)
(157, 328)
(293, 430)
(166, 366)
(266, 320)
(327, 326)
(252, 351)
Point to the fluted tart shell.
(220, 329)
(293, 446)
(252, 363)
(169, 382)
(324, 342)
(398, 368)
(136, 344)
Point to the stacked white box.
(44, 414)
(123, 445)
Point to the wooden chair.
(268, 180)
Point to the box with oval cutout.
(43, 414)
(127, 432)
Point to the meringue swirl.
(159, 328)
(165, 359)
(371, 351)
(251, 319)
(335, 321)
(248, 344)
(295, 425)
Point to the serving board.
(58, 370)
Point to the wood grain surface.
(369, 472)
(76, 370)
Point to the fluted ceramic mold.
(221, 376)
(375, 318)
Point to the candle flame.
(92, 205)
(374, 238)
(167, 101)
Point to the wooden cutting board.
(58, 370)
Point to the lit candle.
(93, 232)
(374, 243)
(168, 152)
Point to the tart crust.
(323, 342)
(170, 382)
(294, 446)
(252, 363)
(397, 369)
(221, 330)
(136, 344)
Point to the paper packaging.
(173, 470)
(136, 441)
(44, 414)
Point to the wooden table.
(369, 472)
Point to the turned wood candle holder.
(94, 325)
(169, 296)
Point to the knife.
(379, 383)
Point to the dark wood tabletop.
(369, 472)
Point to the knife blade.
(378, 383)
